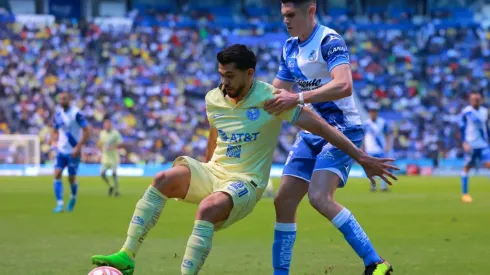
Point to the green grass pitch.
(421, 228)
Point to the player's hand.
(466, 147)
(282, 101)
(378, 167)
(76, 152)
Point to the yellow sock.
(145, 216)
(198, 247)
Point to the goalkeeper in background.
(109, 141)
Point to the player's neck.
(308, 32)
(247, 90)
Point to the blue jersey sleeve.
(334, 51)
(56, 121)
(386, 129)
(284, 74)
(81, 120)
(462, 127)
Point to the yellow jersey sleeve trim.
(296, 114)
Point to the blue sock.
(464, 183)
(356, 237)
(58, 191)
(74, 189)
(282, 249)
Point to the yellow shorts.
(109, 165)
(206, 179)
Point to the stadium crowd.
(151, 82)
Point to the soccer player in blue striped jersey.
(316, 58)
(377, 138)
(475, 134)
(70, 133)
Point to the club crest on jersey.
(253, 113)
(291, 64)
(312, 56)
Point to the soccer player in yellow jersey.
(239, 156)
(109, 140)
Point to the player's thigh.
(188, 180)
(335, 161)
(244, 197)
(103, 169)
(60, 164)
(73, 163)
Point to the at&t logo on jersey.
(238, 137)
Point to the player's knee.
(320, 200)
(163, 182)
(72, 179)
(215, 208)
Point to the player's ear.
(250, 72)
(312, 10)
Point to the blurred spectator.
(152, 82)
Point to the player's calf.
(286, 202)
(212, 210)
(58, 191)
(74, 191)
(321, 194)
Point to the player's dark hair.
(240, 55)
(298, 2)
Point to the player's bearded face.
(64, 100)
(475, 100)
(234, 81)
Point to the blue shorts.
(312, 153)
(477, 156)
(64, 160)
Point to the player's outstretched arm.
(212, 139)
(372, 166)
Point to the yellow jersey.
(107, 139)
(247, 134)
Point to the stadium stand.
(152, 80)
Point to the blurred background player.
(475, 134)
(376, 139)
(109, 141)
(70, 133)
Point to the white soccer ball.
(105, 270)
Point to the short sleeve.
(80, 118)
(284, 74)
(334, 51)
(290, 115)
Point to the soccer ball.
(105, 270)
